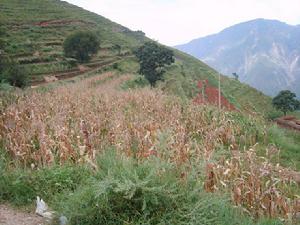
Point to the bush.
(138, 82)
(14, 74)
(274, 115)
(126, 191)
(21, 187)
(81, 45)
(72, 62)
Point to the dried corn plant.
(261, 188)
(75, 122)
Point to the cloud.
(177, 21)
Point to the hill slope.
(37, 29)
(35, 40)
(265, 54)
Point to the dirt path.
(9, 216)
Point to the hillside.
(264, 53)
(37, 29)
(35, 40)
(101, 146)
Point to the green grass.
(289, 143)
(122, 191)
(21, 187)
(126, 191)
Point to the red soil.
(49, 23)
(210, 95)
(290, 122)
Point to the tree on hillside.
(10, 71)
(236, 76)
(286, 101)
(81, 45)
(153, 58)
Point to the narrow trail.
(75, 73)
(9, 216)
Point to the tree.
(10, 71)
(236, 76)
(13, 74)
(286, 101)
(153, 58)
(81, 45)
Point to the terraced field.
(37, 29)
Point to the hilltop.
(35, 40)
(264, 53)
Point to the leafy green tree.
(286, 101)
(81, 45)
(153, 58)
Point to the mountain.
(36, 31)
(264, 53)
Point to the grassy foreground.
(123, 191)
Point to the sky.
(173, 22)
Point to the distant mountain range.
(264, 53)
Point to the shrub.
(21, 187)
(14, 74)
(272, 115)
(138, 82)
(81, 45)
(126, 191)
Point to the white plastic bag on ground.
(42, 209)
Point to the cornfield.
(75, 122)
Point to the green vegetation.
(10, 71)
(288, 142)
(153, 58)
(81, 45)
(13, 74)
(20, 187)
(123, 190)
(131, 192)
(137, 82)
(286, 101)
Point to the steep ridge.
(264, 53)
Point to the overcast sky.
(174, 22)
